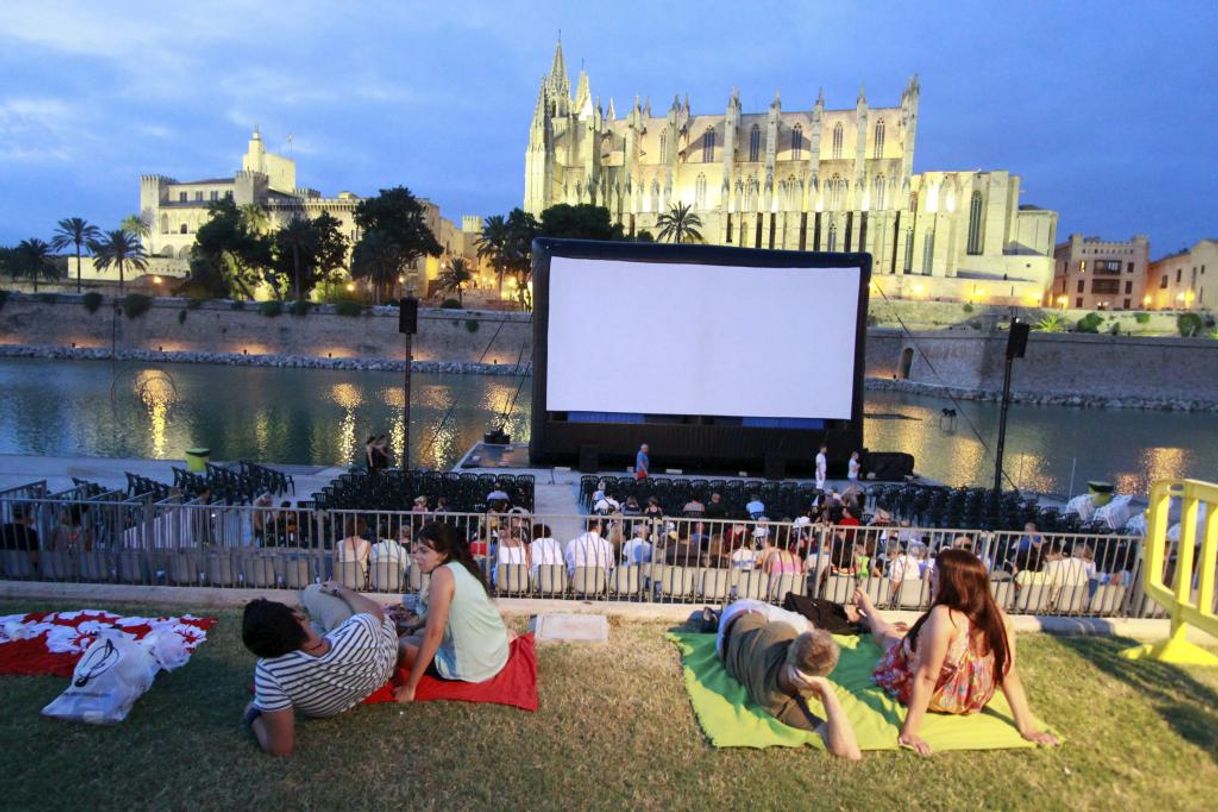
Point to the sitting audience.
(589, 550)
(781, 666)
(389, 551)
(463, 637)
(638, 549)
(353, 549)
(954, 657)
(693, 508)
(715, 509)
(544, 550)
(321, 664)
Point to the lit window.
(797, 142)
(755, 143)
(879, 140)
(838, 135)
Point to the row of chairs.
(268, 480)
(396, 490)
(782, 499)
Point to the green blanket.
(730, 718)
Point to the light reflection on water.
(323, 416)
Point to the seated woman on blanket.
(463, 637)
(955, 656)
(781, 661)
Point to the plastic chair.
(589, 581)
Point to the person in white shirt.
(822, 467)
(638, 549)
(852, 467)
(589, 549)
(603, 505)
(390, 551)
(755, 508)
(1062, 569)
(903, 566)
(543, 550)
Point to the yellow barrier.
(1185, 606)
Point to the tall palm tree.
(680, 224)
(455, 276)
(34, 259)
(256, 218)
(378, 258)
(77, 232)
(297, 239)
(492, 244)
(120, 249)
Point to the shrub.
(1089, 323)
(346, 307)
(1141, 318)
(300, 307)
(1051, 323)
(136, 305)
(1115, 329)
(968, 307)
(471, 325)
(450, 304)
(237, 304)
(181, 316)
(194, 303)
(1189, 324)
(92, 301)
(270, 308)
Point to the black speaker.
(408, 316)
(1017, 340)
(775, 465)
(888, 466)
(589, 459)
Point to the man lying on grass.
(780, 666)
(321, 663)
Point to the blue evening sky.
(1108, 110)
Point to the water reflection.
(158, 393)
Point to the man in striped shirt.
(320, 663)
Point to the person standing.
(822, 467)
(852, 467)
(642, 462)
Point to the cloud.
(37, 130)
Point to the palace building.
(814, 179)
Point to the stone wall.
(444, 335)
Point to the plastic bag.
(112, 674)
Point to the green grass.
(615, 730)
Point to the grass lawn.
(615, 730)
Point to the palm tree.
(679, 224)
(34, 259)
(378, 258)
(298, 238)
(492, 244)
(455, 276)
(256, 218)
(78, 232)
(121, 249)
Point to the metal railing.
(686, 560)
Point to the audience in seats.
(954, 657)
(463, 637)
(511, 550)
(638, 549)
(544, 550)
(589, 549)
(388, 550)
(353, 547)
(320, 664)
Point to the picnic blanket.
(514, 686)
(52, 642)
(730, 719)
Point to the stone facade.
(813, 179)
(1178, 281)
(1099, 274)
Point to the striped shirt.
(361, 659)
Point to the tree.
(120, 249)
(306, 251)
(455, 276)
(679, 224)
(378, 259)
(585, 222)
(228, 254)
(76, 232)
(255, 218)
(518, 251)
(9, 263)
(492, 243)
(400, 219)
(135, 225)
(34, 259)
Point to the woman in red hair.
(955, 656)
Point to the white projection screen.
(676, 338)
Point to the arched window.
(913, 202)
(833, 236)
(664, 147)
(708, 146)
(836, 186)
(909, 241)
(974, 224)
(164, 223)
(928, 253)
(700, 192)
(182, 230)
(879, 140)
(755, 143)
(838, 134)
(797, 142)
(879, 190)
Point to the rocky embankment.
(1042, 399)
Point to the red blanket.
(515, 685)
(52, 642)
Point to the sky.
(1107, 110)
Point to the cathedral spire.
(611, 114)
(820, 97)
(862, 97)
(558, 72)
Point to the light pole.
(1017, 343)
(408, 324)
